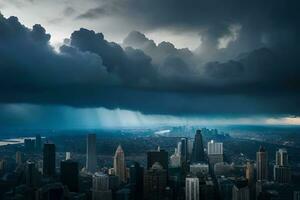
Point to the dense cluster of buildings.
(192, 172)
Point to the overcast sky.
(171, 61)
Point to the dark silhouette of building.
(198, 150)
(49, 159)
(38, 143)
(137, 180)
(184, 152)
(69, 174)
(155, 182)
(160, 156)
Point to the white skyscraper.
(214, 147)
(119, 164)
(214, 152)
(91, 153)
(191, 188)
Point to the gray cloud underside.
(140, 75)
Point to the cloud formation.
(90, 71)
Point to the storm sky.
(113, 63)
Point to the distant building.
(282, 171)
(91, 158)
(38, 143)
(223, 169)
(240, 190)
(184, 152)
(119, 164)
(160, 156)
(101, 190)
(31, 174)
(49, 159)
(137, 180)
(69, 174)
(155, 182)
(250, 172)
(199, 169)
(19, 158)
(214, 152)
(191, 188)
(262, 164)
(198, 149)
(225, 185)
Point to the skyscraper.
(100, 190)
(250, 172)
(91, 158)
(184, 152)
(31, 174)
(191, 188)
(155, 182)
(198, 150)
(262, 164)
(137, 180)
(282, 172)
(49, 159)
(119, 164)
(69, 174)
(19, 158)
(38, 143)
(214, 152)
(160, 156)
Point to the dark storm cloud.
(90, 71)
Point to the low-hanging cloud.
(90, 71)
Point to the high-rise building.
(38, 143)
(91, 158)
(191, 188)
(282, 171)
(262, 164)
(19, 158)
(69, 174)
(240, 190)
(155, 182)
(198, 150)
(184, 152)
(137, 180)
(214, 152)
(49, 159)
(250, 172)
(31, 174)
(119, 164)
(101, 190)
(160, 156)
